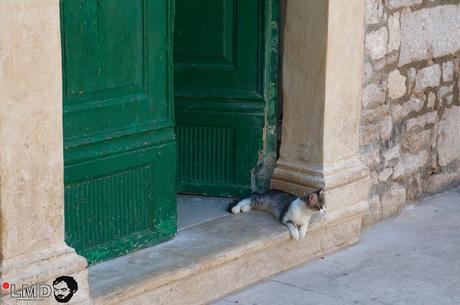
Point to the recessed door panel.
(220, 100)
(217, 48)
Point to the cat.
(293, 211)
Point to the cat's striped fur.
(293, 211)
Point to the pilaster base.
(43, 268)
(346, 183)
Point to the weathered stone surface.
(413, 142)
(374, 177)
(429, 33)
(431, 100)
(381, 63)
(385, 175)
(374, 11)
(458, 87)
(445, 91)
(393, 199)
(371, 158)
(374, 115)
(393, 4)
(369, 134)
(409, 164)
(396, 84)
(449, 100)
(395, 33)
(427, 77)
(431, 117)
(457, 64)
(415, 104)
(376, 43)
(392, 155)
(449, 136)
(411, 78)
(438, 182)
(187, 271)
(425, 36)
(420, 122)
(374, 95)
(356, 192)
(368, 72)
(386, 128)
(448, 71)
(374, 213)
(392, 58)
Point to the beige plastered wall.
(32, 247)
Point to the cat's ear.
(313, 199)
(321, 192)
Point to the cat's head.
(314, 201)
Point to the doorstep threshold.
(210, 260)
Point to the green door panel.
(216, 50)
(216, 151)
(222, 67)
(119, 142)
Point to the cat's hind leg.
(242, 206)
(293, 230)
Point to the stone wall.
(410, 122)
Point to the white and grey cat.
(293, 211)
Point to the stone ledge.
(42, 266)
(211, 260)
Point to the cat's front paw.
(295, 235)
(303, 231)
(293, 231)
(242, 206)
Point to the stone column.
(32, 247)
(322, 83)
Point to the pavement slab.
(413, 259)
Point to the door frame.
(262, 173)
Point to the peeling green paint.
(261, 174)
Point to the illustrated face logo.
(64, 288)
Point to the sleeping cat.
(293, 211)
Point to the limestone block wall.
(410, 121)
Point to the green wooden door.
(119, 143)
(225, 57)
